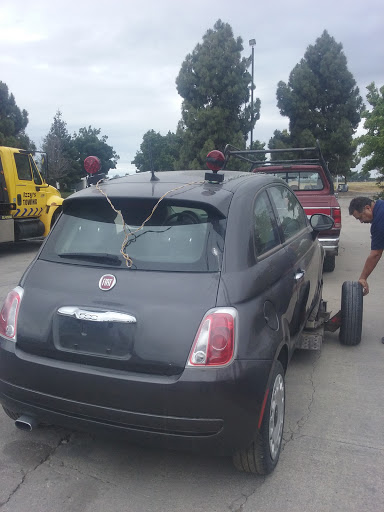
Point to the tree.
(157, 152)
(13, 122)
(61, 154)
(323, 102)
(373, 141)
(89, 142)
(214, 84)
(66, 153)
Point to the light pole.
(252, 44)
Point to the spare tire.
(351, 313)
(329, 263)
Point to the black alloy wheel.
(263, 454)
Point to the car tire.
(351, 313)
(55, 216)
(263, 454)
(11, 414)
(329, 263)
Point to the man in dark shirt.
(370, 212)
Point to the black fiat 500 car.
(166, 309)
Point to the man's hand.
(370, 264)
(365, 286)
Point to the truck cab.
(28, 205)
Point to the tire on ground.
(55, 216)
(258, 457)
(351, 313)
(329, 263)
(11, 414)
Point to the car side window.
(266, 235)
(290, 212)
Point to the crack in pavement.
(294, 432)
(82, 473)
(62, 440)
(238, 504)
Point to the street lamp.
(252, 44)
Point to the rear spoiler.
(250, 156)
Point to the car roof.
(187, 185)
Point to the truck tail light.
(336, 215)
(9, 313)
(214, 344)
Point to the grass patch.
(364, 187)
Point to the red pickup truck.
(307, 173)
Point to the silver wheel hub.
(276, 416)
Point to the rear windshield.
(301, 180)
(177, 237)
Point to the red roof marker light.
(215, 160)
(92, 164)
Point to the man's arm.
(370, 264)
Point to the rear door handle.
(299, 274)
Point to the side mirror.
(321, 222)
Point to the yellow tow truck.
(28, 205)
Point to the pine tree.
(13, 122)
(214, 84)
(60, 152)
(322, 102)
(373, 140)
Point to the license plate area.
(103, 339)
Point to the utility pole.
(252, 43)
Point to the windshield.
(177, 237)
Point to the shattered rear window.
(179, 236)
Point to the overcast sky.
(113, 64)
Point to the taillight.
(9, 313)
(336, 215)
(214, 344)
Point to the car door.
(28, 195)
(303, 252)
(275, 269)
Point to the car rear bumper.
(216, 410)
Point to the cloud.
(113, 65)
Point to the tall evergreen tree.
(60, 152)
(322, 102)
(373, 140)
(13, 122)
(214, 84)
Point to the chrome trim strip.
(332, 240)
(96, 316)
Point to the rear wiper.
(99, 257)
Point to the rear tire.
(351, 313)
(55, 216)
(11, 414)
(329, 263)
(263, 454)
